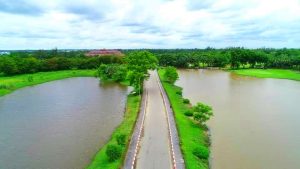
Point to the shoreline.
(191, 135)
(9, 84)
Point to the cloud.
(149, 24)
(20, 7)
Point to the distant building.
(104, 52)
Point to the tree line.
(37, 61)
(234, 58)
(21, 62)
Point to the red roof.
(104, 52)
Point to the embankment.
(192, 136)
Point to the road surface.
(154, 152)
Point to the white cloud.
(149, 24)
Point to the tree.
(202, 112)
(9, 66)
(138, 64)
(113, 152)
(171, 74)
(141, 61)
(112, 72)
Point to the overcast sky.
(37, 24)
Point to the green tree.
(171, 74)
(9, 66)
(138, 64)
(112, 72)
(141, 61)
(202, 112)
(113, 152)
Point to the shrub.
(121, 139)
(201, 152)
(3, 86)
(188, 113)
(197, 116)
(179, 93)
(171, 74)
(113, 152)
(30, 79)
(186, 101)
(202, 112)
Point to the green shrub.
(121, 139)
(188, 113)
(201, 152)
(30, 79)
(202, 112)
(113, 152)
(179, 93)
(186, 101)
(3, 86)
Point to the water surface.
(59, 124)
(256, 122)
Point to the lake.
(60, 124)
(256, 121)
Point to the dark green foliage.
(121, 139)
(113, 152)
(171, 74)
(234, 57)
(179, 93)
(36, 61)
(113, 72)
(188, 113)
(186, 101)
(201, 152)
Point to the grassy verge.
(191, 134)
(269, 73)
(10, 83)
(126, 127)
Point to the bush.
(113, 152)
(202, 112)
(186, 101)
(121, 139)
(201, 152)
(179, 93)
(171, 74)
(30, 79)
(197, 116)
(188, 113)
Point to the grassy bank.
(191, 134)
(10, 83)
(269, 73)
(126, 127)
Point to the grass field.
(191, 134)
(126, 127)
(270, 73)
(10, 83)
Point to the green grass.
(10, 83)
(191, 134)
(126, 127)
(269, 73)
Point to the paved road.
(154, 152)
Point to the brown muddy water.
(59, 124)
(256, 123)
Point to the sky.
(97, 24)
